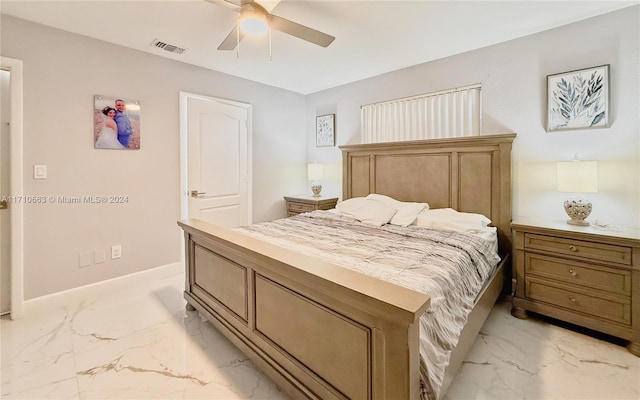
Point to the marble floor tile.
(534, 359)
(134, 342)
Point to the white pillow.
(448, 218)
(390, 201)
(367, 210)
(349, 205)
(406, 213)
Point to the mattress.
(451, 267)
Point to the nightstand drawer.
(300, 207)
(613, 308)
(302, 204)
(573, 272)
(579, 248)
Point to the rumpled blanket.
(449, 266)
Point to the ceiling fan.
(255, 19)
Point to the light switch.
(39, 172)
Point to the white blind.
(448, 113)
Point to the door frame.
(184, 152)
(16, 209)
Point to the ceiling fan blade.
(300, 31)
(233, 5)
(236, 4)
(268, 5)
(231, 41)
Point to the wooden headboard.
(470, 174)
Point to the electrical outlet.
(116, 251)
(39, 172)
(85, 259)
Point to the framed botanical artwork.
(326, 130)
(116, 123)
(578, 99)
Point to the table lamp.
(577, 177)
(315, 174)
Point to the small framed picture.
(116, 123)
(326, 130)
(578, 99)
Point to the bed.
(361, 334)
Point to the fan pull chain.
(269, 43)
(238, 39)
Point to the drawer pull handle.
(573, 248)
(573, 273)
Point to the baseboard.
(93, 289)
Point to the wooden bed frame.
(321, 331)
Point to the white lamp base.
(577, 222)
(578, 210)
(316, 188)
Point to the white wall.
(62, 72)
(513, 77)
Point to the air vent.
(168, 47)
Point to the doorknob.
(195, 193)
(3, 205)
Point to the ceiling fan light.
(254, 26)
(253, 20)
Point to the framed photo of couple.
(116, 123)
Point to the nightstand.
(582, 275)
(301, 204)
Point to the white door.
(5, 221)
(219, 161)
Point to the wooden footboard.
(318, 330)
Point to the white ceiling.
(372, 37)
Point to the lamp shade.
(578, 176)
(315, 172)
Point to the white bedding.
(450, 266)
